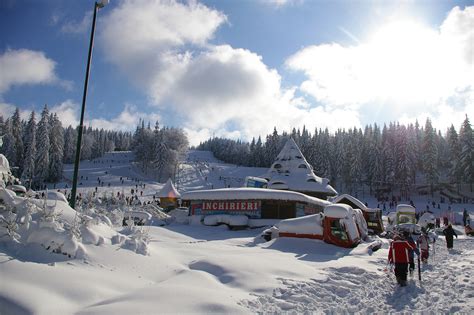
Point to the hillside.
(189, 268)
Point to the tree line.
(389, 157)
(38, 150)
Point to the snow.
(4, 165)
(339, 210)
(168, 191)
(245, 193)
(291, 171)
(192, 268)
(231, 220)
(311, 224)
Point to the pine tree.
(56, 151)
(42, 148)
(70, 138)
(17, 134)
(430, 156)
(466, 141)
(30, 151)
(455, 170)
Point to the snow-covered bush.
(8, 224)
(137, 241)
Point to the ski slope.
(200, 270)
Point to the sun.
(401, 61)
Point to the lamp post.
(97, 5)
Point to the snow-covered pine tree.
(430, 156)
(403, 169)
(412, 151)
(42, 148)
(56, 152)
(70, 138)
(454, 157)
(259, 153)
(17, 133)
(8, 147)
(466, 141)
(30, 151)
(271, 148)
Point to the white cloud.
(405, 68)
(281, 3)
(7, 110)
(214, 90)
(127, 120)
(25, 66)
(76, 27)
(68, 113)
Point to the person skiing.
(449, 233)
(411, 253)
(398, 254)
(423, 244)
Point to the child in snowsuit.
(424, 246)
(398, 254)
(449, 233)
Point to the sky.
(237, 69)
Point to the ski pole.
(419, 269)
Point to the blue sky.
(238, 68)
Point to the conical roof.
(291, 171)
(168, 191)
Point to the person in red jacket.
(399, 254)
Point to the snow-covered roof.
(251, 194)
(358, 204)
(405, 208)
(338, 210)
(291, 171)
(168, 191)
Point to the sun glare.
(400, 61)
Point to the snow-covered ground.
(199, 269)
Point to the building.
(255, 203)
(291, 171)
(169, 196)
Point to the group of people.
(403, 248)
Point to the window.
(311, 180)
(302, 166)
(338, 231)
(277, 166)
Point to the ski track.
(447, 286)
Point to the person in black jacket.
(449, 233)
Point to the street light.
(97, 5)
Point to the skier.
(424, 246)
(449, 233)
(398, 255)
(411, 253)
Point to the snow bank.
(232, 220)
(57, 241)
(427, 218)
(310, 224)
(180, 215)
